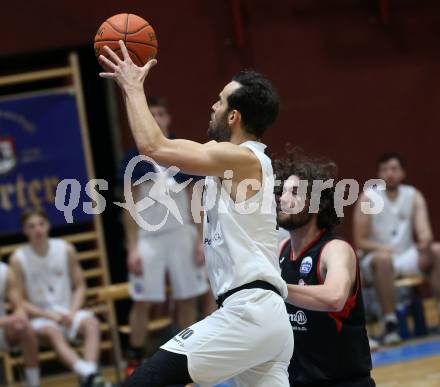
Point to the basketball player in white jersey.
(397, 242)
(174, 248)
(50, 277)
(15, 328)
(249, 337)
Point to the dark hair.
(256, 100)
(310, 169)
(27, 213)
(157, 101)
(385, 157)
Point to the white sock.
(93, 367)
(85, 368)
(32, 376)
(390, 317)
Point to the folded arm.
(338, 267)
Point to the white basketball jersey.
(47, 279)
(393, 226)
(242, 247)
(157, 212)
(3, 283)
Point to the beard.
(219, 129)
(292, 222)
(392, 186)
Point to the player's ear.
(234, 117)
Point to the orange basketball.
(137, 34)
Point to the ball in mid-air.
(138, 35)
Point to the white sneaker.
(374, 344)
(391, 336)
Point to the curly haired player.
(325, 302)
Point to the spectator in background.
(174, 247)
(49, 275)
(397, 242)
(15, 328)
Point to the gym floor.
(416, 363)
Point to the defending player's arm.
(338, 267)
(31, 310)
(362, 229)
(210, 159)
(78, 282)
(422, 226)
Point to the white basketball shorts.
(171, 251)
(405, 264)
(71, 332)
(250, 338)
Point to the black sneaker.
(94, 380)
(391, 335)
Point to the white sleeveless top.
(393, 226)
(47, 279)
(3, 282)
(156, 213)
(239, 247)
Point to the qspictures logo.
(159, 194)
(163, 194)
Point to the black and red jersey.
(329, 346)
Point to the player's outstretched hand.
(124, 72)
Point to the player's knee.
(382, 261)
(51, 334)
(155, 372)
(91, 324)
(27, 330)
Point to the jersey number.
(186, 333)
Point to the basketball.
(138, 35)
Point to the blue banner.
(40, 145)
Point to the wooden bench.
(120, 292)
(93, 262)
(409, 282)
(374, 328)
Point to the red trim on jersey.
(283, 245)
(351, 301)
(294, 257)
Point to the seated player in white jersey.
(174, 248)
(50, 277)
(15, 329)
(249, 337)
(397, 242)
